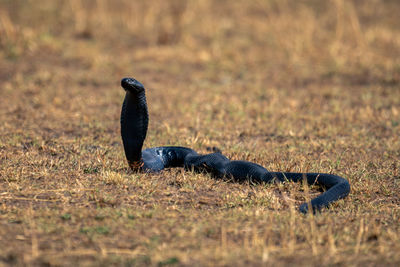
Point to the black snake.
(134, 123)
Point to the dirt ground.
(310, 86)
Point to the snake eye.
(131, 84)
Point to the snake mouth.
(132, 85)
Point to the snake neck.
(134, 123)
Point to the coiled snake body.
(134, 123)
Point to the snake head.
(132, 85)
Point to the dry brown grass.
(292, 85)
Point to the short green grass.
(307, 86)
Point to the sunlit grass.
(291, 85)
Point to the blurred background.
(282, 41)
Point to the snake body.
(134, 124)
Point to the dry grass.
(292, 85)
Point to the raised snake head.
(132, 85)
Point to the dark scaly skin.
(134, 123)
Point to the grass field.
(311, 86)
